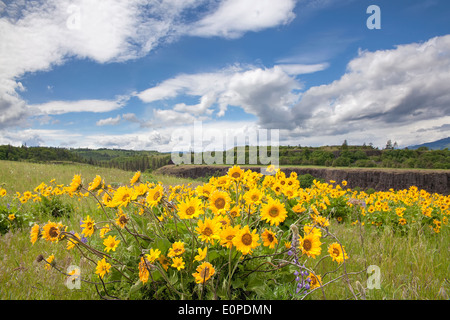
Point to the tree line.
(330, 156)
(129, 160)
(351, 156)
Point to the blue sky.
(129, 74)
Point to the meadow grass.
(23, 176)
(412, 266)
(21, 276)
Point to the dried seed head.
(39, 258)
(295, 238)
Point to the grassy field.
(413, 266)
(21, 277)
(22, 176)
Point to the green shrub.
(55, 207)
(306, 180)
(12, 217)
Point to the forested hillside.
(328, 156)
(110, 158)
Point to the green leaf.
(114, 275)
(213, 254)
(173, 279)
(162, 244)
(156, 275)
(256, 284)
(237, 283)
(135, 287)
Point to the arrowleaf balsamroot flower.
(75, 185)
(235, 173)
(273, 212)
(71, 242)
(253, 197)
(51, 231)
(111, 243)
(143, 271)
(34, 233)
(204, 272)
(219, 202)
(122, 197)
(104, 230)
(154, 196)
(269, 238)
(122, 220)
(201, 254)
(190, 208)
(102, 268)
(227, 235)
(135, 178)
(178, 263)
(208, 230)
(164, 261)
(88, 226)
(153, 255)
(177, 249)
(245, 240)
(315, 281)
(50, 262)
(94, 185)
(310, 245)
(337, 252)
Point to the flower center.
(273, 212)
(156, 195)
(123, 219)
(207, 231)
(335, 252)
(219, 203)
(270, 237)
(204, 273)
(247, 239)
(255, 197)
(236, 175)
(53, 232)
(190, 211)
(307, 245)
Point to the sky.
(170, 74)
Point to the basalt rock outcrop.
(433, 181)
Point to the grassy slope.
(412, 267)
(21, 277)
(23, 176)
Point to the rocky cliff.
(379, 179)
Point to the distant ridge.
(434, 145)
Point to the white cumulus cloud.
(232, 18)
